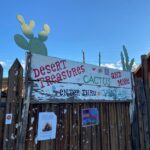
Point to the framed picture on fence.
(90, 117)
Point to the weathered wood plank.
(121, 126)
(2, 118)
(139, 110)
(1, 79)
(127, 127)
(83, 132)
(93, 132)
(44, 144)
(75, 126)
(145, 117)
(14, 100)
(105, 126)
(2, 110)
(26, 103)
(113, 127)
(30, 129)
(145, 76)
(98, 129)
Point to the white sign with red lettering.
(61, 79)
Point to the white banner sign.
(60, 79)
(47, 126)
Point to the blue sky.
(92, 25)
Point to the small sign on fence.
(47, 126)
(90, 117)
(8, 119)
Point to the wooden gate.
(11, 105)
(112, 133)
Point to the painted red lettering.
(53, 67)
(69, 73)
(42, 83)
(78, 70)
(58, 76)
(36, 72)
(64, 75)
(42, 70)
(63, 62)
(82, 68)
(115, 75)
(53, 78)
(58, 66)
(47, 67)
(74, 71)
(48, 80)
(124, 81)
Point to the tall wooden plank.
(127, 127)
(145, 76)
(34, 119)
(93, 132)
(58, 130)
(143, 108)
(105, 131)
(2, 110)
(2, 118)
(75, 126)
(121, 126)
(45, 144)
(1, 78)
(113, 126)
(139, 101)
(14, 100)
(98, 129)
(30, 129)
(88, 132)
(26, 103)
(54, 108)
(64, 126)
(78, 125)
(83, 131)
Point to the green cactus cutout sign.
(126, 64)
(33, 44)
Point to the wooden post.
(146, 85)
(99, 58)
(27, 92)
(147, 93)
(1, 78)
(2, 109)
(83, 54)
(14, 98)
(135, 125)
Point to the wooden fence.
(141, 122)
(112, 133)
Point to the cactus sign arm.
(43, 35)
(21, 41)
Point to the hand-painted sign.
(64, 80)
(46, 126)
(90, 117)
